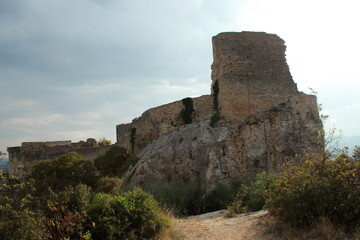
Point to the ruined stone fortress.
(31, 153)
(254, 119)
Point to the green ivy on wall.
(187, 111)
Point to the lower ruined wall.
(158, 121)
(23, 159)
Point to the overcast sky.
(70, 70)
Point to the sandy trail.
(214, 226)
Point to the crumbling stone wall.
(252, 73)
(158, 121)
(22, 159)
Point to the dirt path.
(214, 226)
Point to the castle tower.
(251, 72)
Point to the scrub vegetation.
(70, 198)
(65, 199)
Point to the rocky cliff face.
(264, 120)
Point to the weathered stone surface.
(228, 151)
(251, 71)
(265, 120)
(160, 120)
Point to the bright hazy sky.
(70, 70)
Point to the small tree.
(104, 142)
(329, 139)
(114, 162)
(68, 169)
(2, 155)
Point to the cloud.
(31, 122)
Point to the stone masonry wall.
(158, 121)
(31, 153)
(251, 71)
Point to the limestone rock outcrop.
(263, 119)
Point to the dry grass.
(323, 230)
(172, 232)
(250, 226)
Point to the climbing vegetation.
(214, 119)
(215, 89)
(132, 138)
(216, 115)
(187, 111)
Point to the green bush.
(251, 195)
(133, 215)
(20, 218)
(356, 153)
(104, 142)
(183, 198)
(114, 163)
(24, 225)
(65, 212)
(256, 195)
(110, 185)
(318, 188)
(68, 169)
(218, 198)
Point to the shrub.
(68, 169)
(356, 153)
(133, 215)
(114, 163)
(65, 212)
(19, 217)
(24, 225)
(250, 195)
(110, 185)
(183, 198)
(104, 142)
(319, 188)
(256, 195)
(218, 198)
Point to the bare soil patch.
(215, 226)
